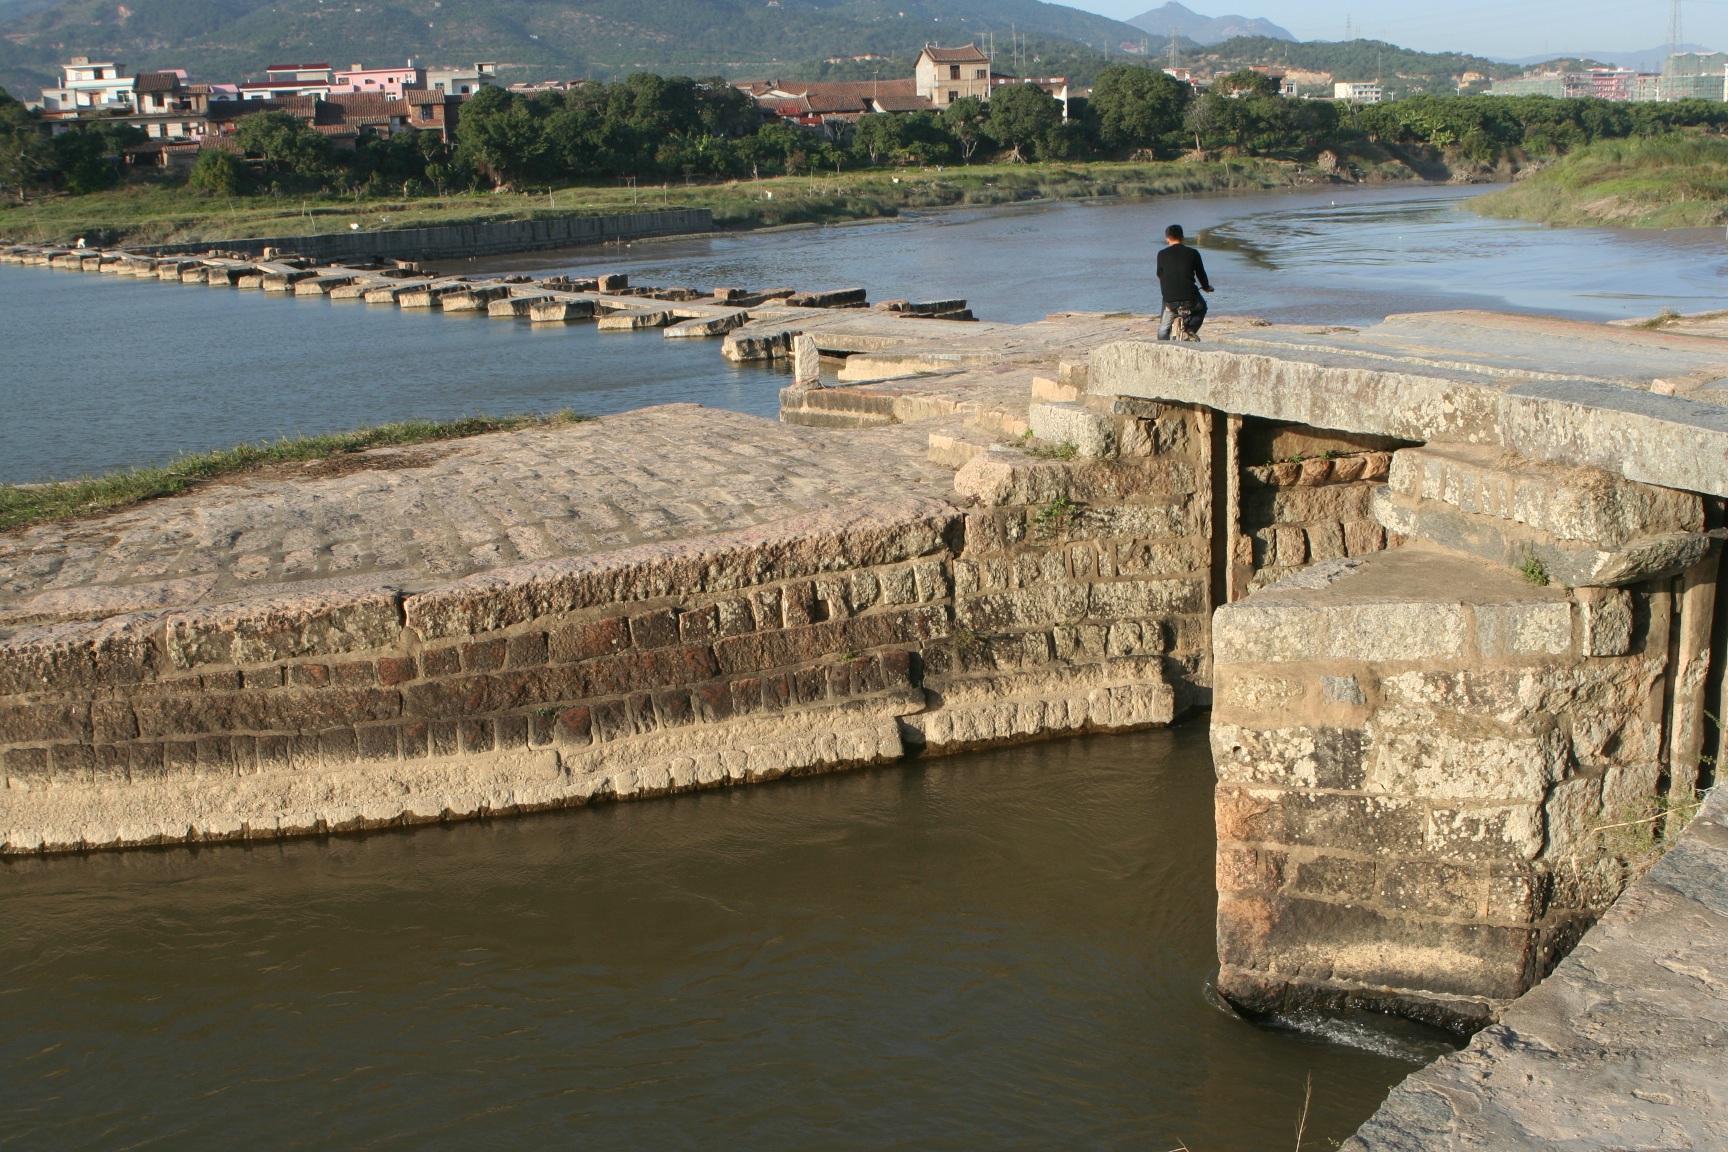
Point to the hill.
(530, 39)
(1402, 71)
(1173, 17)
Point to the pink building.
(392, 82)
(1613, 83)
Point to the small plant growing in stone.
(1296, 459)
(1666, 316)
(1062, 451)
(966, 641)
(1534, 571)
(1054, 518)
(1329, 454)
(546, 713)
(1026, 436)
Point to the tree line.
(655, 128)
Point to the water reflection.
(998, 950)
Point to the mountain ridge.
(1184, 21)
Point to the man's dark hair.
(1174, 232)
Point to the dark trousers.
(1191, 325)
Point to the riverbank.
(1668, 182)
(170, 214)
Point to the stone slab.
(1360, 387)
(1624, 1046)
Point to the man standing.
(1182, 276)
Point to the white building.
(1356, 93)
(86, 84)
(461, 81)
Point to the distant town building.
(283, 81)
(1356, 93)
(462, 81)
(100, 85)
(1619, 84)
(944, 75)
(1056, 86)
(1694, 76)
(392, 82)
(1560, 85)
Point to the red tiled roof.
(913, 103)
(967, 55)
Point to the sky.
(1509, 28)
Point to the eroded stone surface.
(1623, 1046)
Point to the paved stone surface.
(430, 513)
(1624, 1046)
(1635, 402)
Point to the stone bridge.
(1447, 585)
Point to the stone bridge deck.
(418, 516)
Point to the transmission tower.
(1172, 47)
(1674, 32)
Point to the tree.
(285, 142)
(501, 135)
(88, 157)
(964, 120)
(1246, 82)
(23, 145)
(878, 134)
(1022, 116)
(1138, 107)
(218, 171)
(1201, 119)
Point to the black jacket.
(1179, 266)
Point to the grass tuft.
(22, 505)
(1534, 571)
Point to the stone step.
(632, 321)
(1567, 503)
(555, 310)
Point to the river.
(1002, 950)
(103, 372)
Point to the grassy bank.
(22, 505)
(1661, 182)
(164, 213)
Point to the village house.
(391, 82)
(98, 86)
(462, 81)
(944, 75)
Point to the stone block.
(1607, 621)
(1336, 878)
(528, 650)
(1241, 869)
(1091, 433)
(1433, 888)
(258, 632)
(1570, 563)
(1542, 629)
(1586, 505)
(588, 640)
(1297, 756)
(657, 629)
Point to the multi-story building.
(461, 81)
(1560, 85)
(1357, 93)
(392, 82)
(101, 86)
(1056, 86)
(944, 75)
(1694, 76)
(1618, 84)
(288, 80)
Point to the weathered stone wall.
(838, 639)
(1621, 1047)
(456, 241)
(1412, 751)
